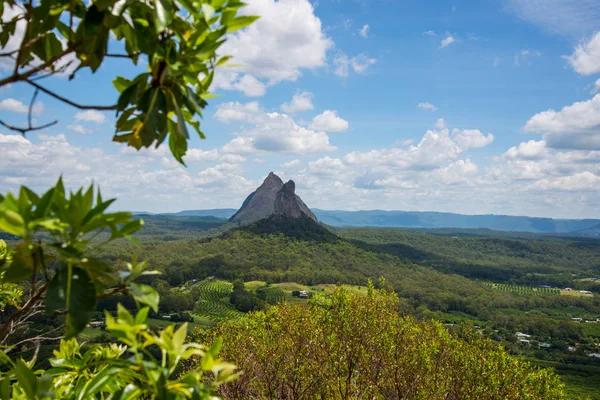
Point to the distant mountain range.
(416, 219)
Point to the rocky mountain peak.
(272, 197)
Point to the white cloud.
(251, 86)
(471, 138)
(359, 63)
(440, 123)
(429, 33)
(285, 40)
(427, 106)
(597, 86)
(447, 41)
(302, 101)
(461, 171)
(574, 127)
(20, 107)
(329, 121)
(585, 60)
(236, 111)
(136, 178)
(231, 80)
(90, 116)
(232, 158)
(582, 181)
(292, 164)
(574, 18)
(198, 155)
(82, 130)
(364, 31)
(276, 133)
(531, 150)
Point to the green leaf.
(240, 22)
(26, 378)
(11, 222)
(179, 336)
(146, 295)
(21, 266)
(164, 14)
(208, 11)
(43, 204)
(98, 382)
(74, 293)
(142, 316)
(5, 389)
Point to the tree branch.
(16, 77)
(69, 102)
(23, 131)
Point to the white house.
(520, 335)
(303, 294)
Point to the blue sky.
(474, 107)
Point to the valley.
(501, 283)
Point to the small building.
(577, 319)
(304, 294)
(568, 289)
(95, 324)
(524, 342)
(597, 355)
(585, 292)
(544, 345)
(521, 335)
(545, 286)
(166, 317)
(571, 349)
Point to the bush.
(351, 346)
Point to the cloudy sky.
(467, 106)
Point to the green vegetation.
(348, 344)
(525, 290)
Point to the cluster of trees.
(243, 300)
(352, 346)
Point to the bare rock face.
(272, 197)
(288, 203)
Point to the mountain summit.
(273, 197)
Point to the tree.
(178, 39)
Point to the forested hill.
(415, 219)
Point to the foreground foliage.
(176, 40)
(351, 346)
(141, 365)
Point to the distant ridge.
(417, 219)
(273, 197)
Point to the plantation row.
(525, 290)
(215, 310)
(214, 290)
